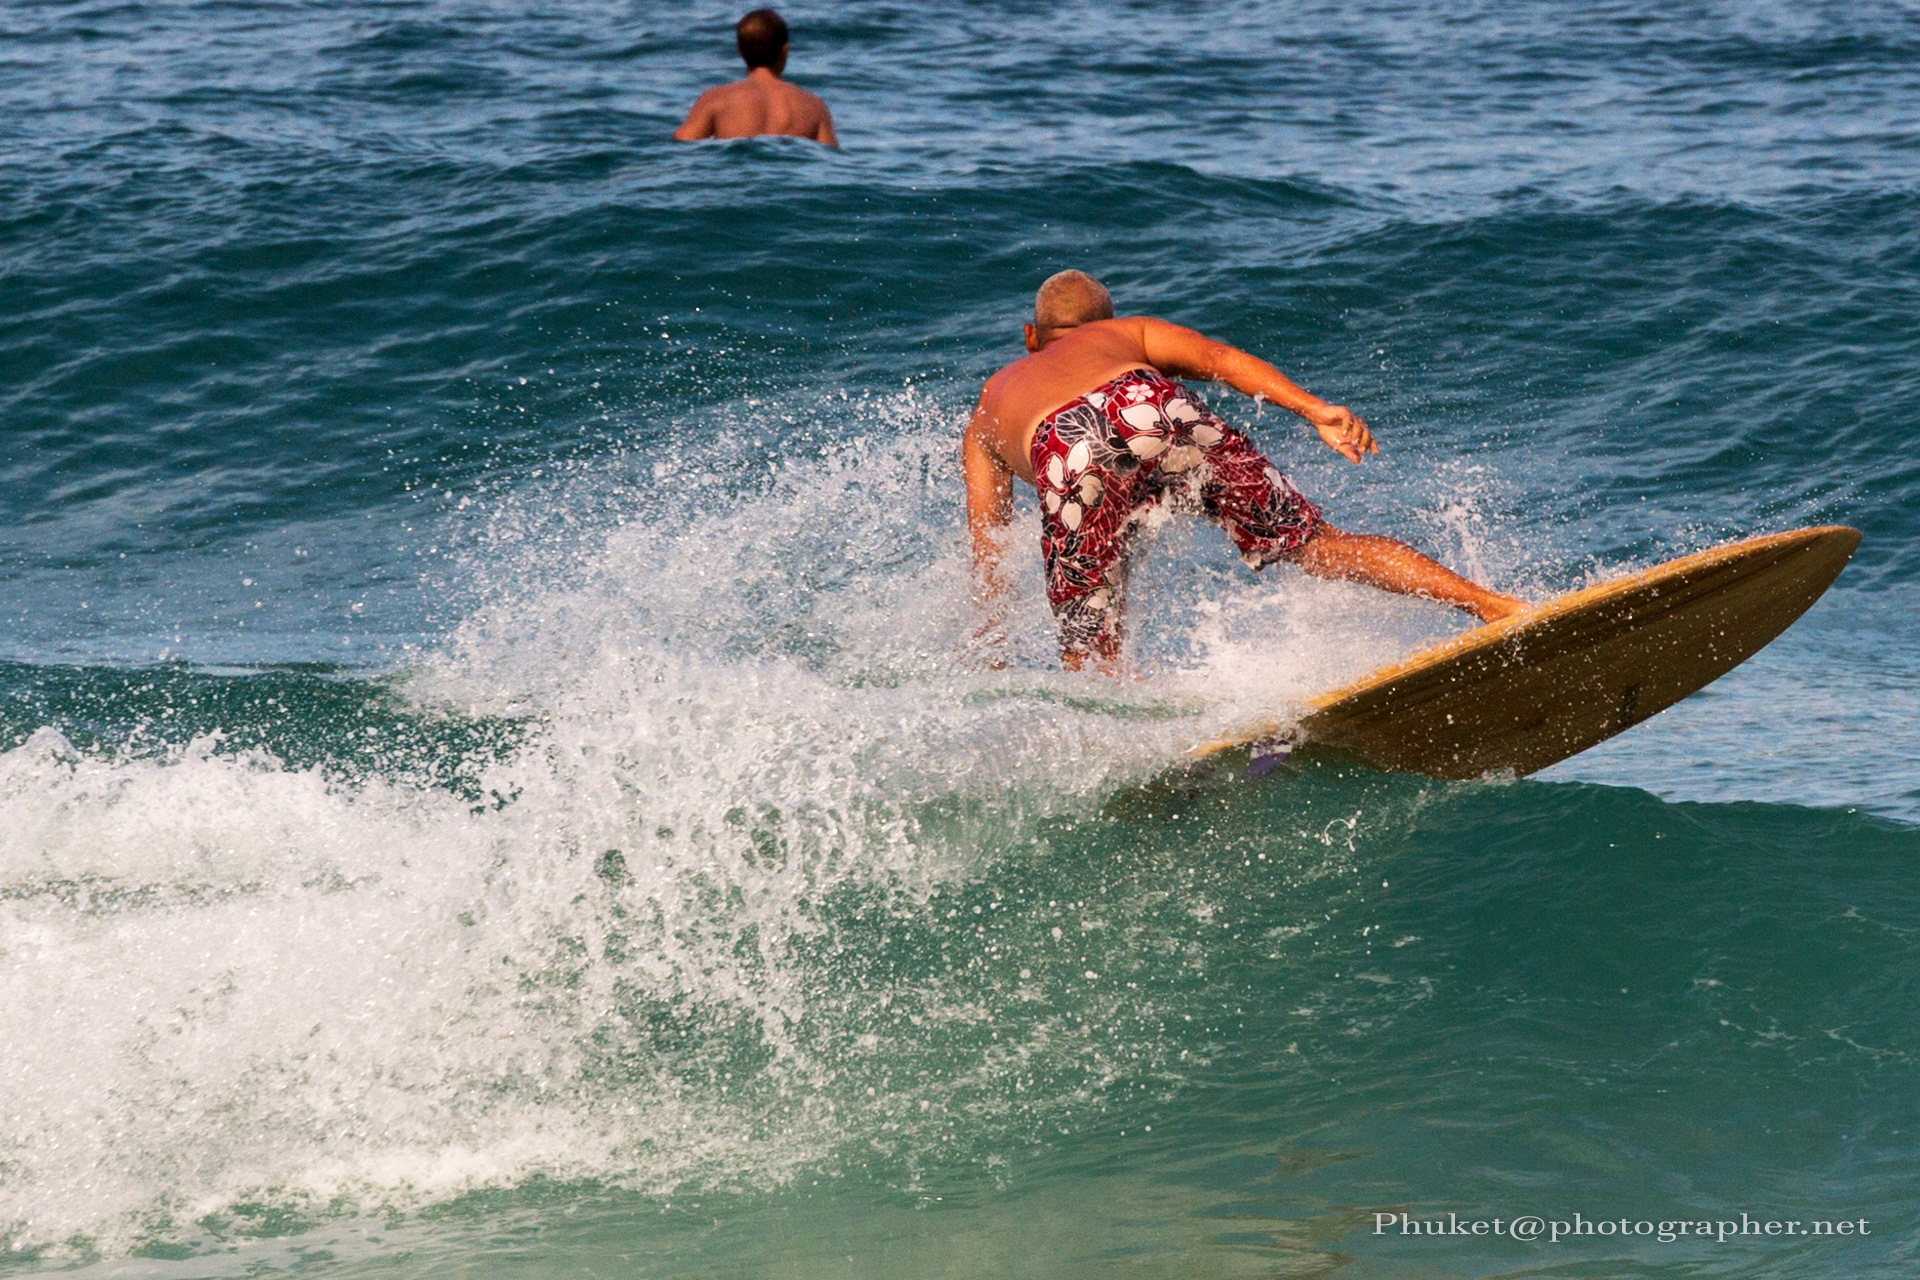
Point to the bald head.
(1070, 298)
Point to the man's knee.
(1320, 539)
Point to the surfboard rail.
(1528, 691)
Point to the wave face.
(496, 772)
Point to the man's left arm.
(823, 132)
(1185, 353)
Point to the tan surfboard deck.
(1529, 691)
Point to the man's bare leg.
(1395, 566)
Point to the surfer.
(762, 103)
(1092, 419)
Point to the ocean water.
(494, 778)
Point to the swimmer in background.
(762, 103)
(1092, 419)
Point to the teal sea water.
(494, 781)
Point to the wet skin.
(761, 104)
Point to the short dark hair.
(760, 36)
(1068, 299)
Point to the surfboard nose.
(1527, 692)
(1836, 539)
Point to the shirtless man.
(1093, 421)
(763, 102)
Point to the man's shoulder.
(994, 394)
(813, 101)
(1006, 374)
(721, 92)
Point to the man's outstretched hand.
(1343, 431)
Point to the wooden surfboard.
(1531, 690)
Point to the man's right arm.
(989, 509)
(699, 121)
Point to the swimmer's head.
(1067, 300)
(761, 37)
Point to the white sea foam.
(229, 981)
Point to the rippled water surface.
(496, 781)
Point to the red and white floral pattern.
(1104, 460)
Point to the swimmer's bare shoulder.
(811, 117)
(704, 114)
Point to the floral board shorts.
(1104, 461)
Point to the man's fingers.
(1358, 442)
(1341, 444)
(1363, 437)
(1346, 433)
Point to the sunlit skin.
(1065, 363)
(762, 103)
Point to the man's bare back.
(762, 103)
